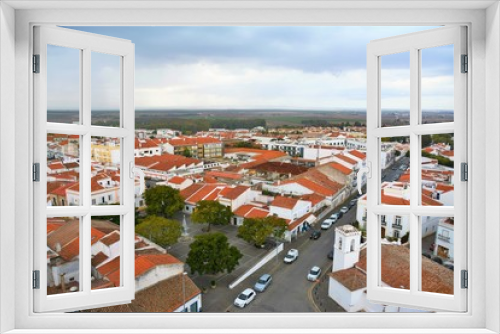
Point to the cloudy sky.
(251, 67)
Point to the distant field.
(200, 120)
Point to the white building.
(444, 245)
(347, 284)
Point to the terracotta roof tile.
(341, 168)
(352, 278)
(284, 202)
(165, 296)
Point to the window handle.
(137, 171)
(359, 175)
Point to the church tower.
(346, 247)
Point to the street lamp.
(184, 289)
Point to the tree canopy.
(211, 213)
(211, 253)
(163, 201)
(162, 231)
(256, 230)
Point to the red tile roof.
(224, 175)
(357, 154)
(251, 211)
(176, 180)
(292, 225)
(352, 278)
(236, 192)
(284, 202)
(111, 238)
(145, 263)
(71, 250)
(346, 159)
(343, 169)
(396, 270)
(313, 198)
(444, 188)
(165, 296)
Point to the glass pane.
(395, 89)
(63, 255)
(106, 91)
(63, 169)
(437, 86)
(437, 254)
(105, 252)
(437, 170)
(63, 84)
(106, 162)
(395, 251)
(395, 173)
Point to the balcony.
(443, 238)
(397, 227)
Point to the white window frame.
(87, 44)
(414, 44)
(482, 316)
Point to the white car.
(291, 256)
(326, 224)
(245, 298)
(344, 209)
(314, 273)
(334, 217)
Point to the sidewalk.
(320, 296)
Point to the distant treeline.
(325, 122)
(190, 126)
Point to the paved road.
(393, 175)
(289, 291)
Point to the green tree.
(211, 213)
(397, 153)
(426, 141)
(162, 231)
(163, 201)
(407, 154)
(257, 230)
(187, 152)
(211, 253)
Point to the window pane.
(63, 255)
(105, 252)
(437, 251)
(437, 86)
(106, 162)
(395, 251)
(63, 169)
(395, 89)
(395, 173)
(437, 170)
(63, 84)
(106, 91)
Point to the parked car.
(314, 273)
(291, 256)
(315, 234)
(263, 282)
(326, 224)
(334, 217)
(352, 203)
(340, 214)
(344, 209)
(330, 255)
(449, 265)
(437, 259)
(245, 298)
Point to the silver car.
(263, 282)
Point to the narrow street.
(289, 289)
